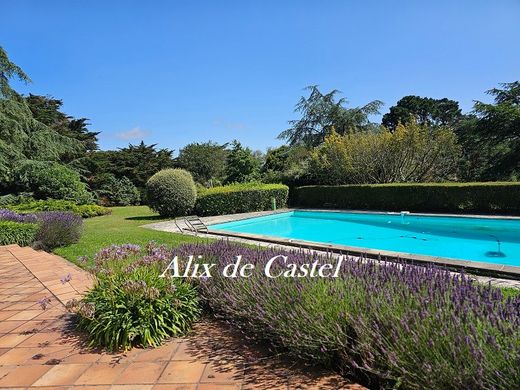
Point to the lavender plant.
(55, 228)
(9, 215)
(58, 228)
(395, 324)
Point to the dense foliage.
(48, 154)
(425, 111)
(171, 192)
(394, 325)
(130, 304)
(20, 233)
(241, 198)
(135, 162)
(22, 139)
(205, 161)
(34, 132)
(85, 210)
(112, 191)
(425, 197)
(491, 137)
(241, 165)
(52, 181)
(483, 143)
(411, 153)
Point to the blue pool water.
(488, 240)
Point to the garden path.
(39, 349)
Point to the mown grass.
(124, 225)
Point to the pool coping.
(472, 266)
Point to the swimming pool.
(482, 240)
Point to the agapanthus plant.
(130, 303)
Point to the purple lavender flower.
(44, 302)
(65, 279)
(58, 228)
(9, 215)
(394, 321)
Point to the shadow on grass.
(146, 218)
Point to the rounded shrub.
(171, 192)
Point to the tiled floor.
(40, 350)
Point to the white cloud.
(133, 134)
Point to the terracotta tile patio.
(39, 349)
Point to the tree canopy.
(320, 113)
(8, 71)
(241, 164)
(424, 110)
(491, 136)
(136, 162)
(411, 153)
(205, 161)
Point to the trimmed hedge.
(19, 233)
(493, 197)
(85, 210)
(240, 198)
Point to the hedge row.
(19, 233)
(496, 197)
(85, 210)
(241, 198)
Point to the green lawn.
(120, 227)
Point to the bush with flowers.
(130, 303)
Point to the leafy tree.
(46, 110)
(9, 70)
(137, 162)
(491, 136)
(24, 138)
(205, 161)
(322, 112)
(286, 164)
(242, 166)
(276, 159)
(426, 111)
(412, 153)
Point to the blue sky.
(174, 72)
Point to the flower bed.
(46, 230)
(130, 303)
(395, 325)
